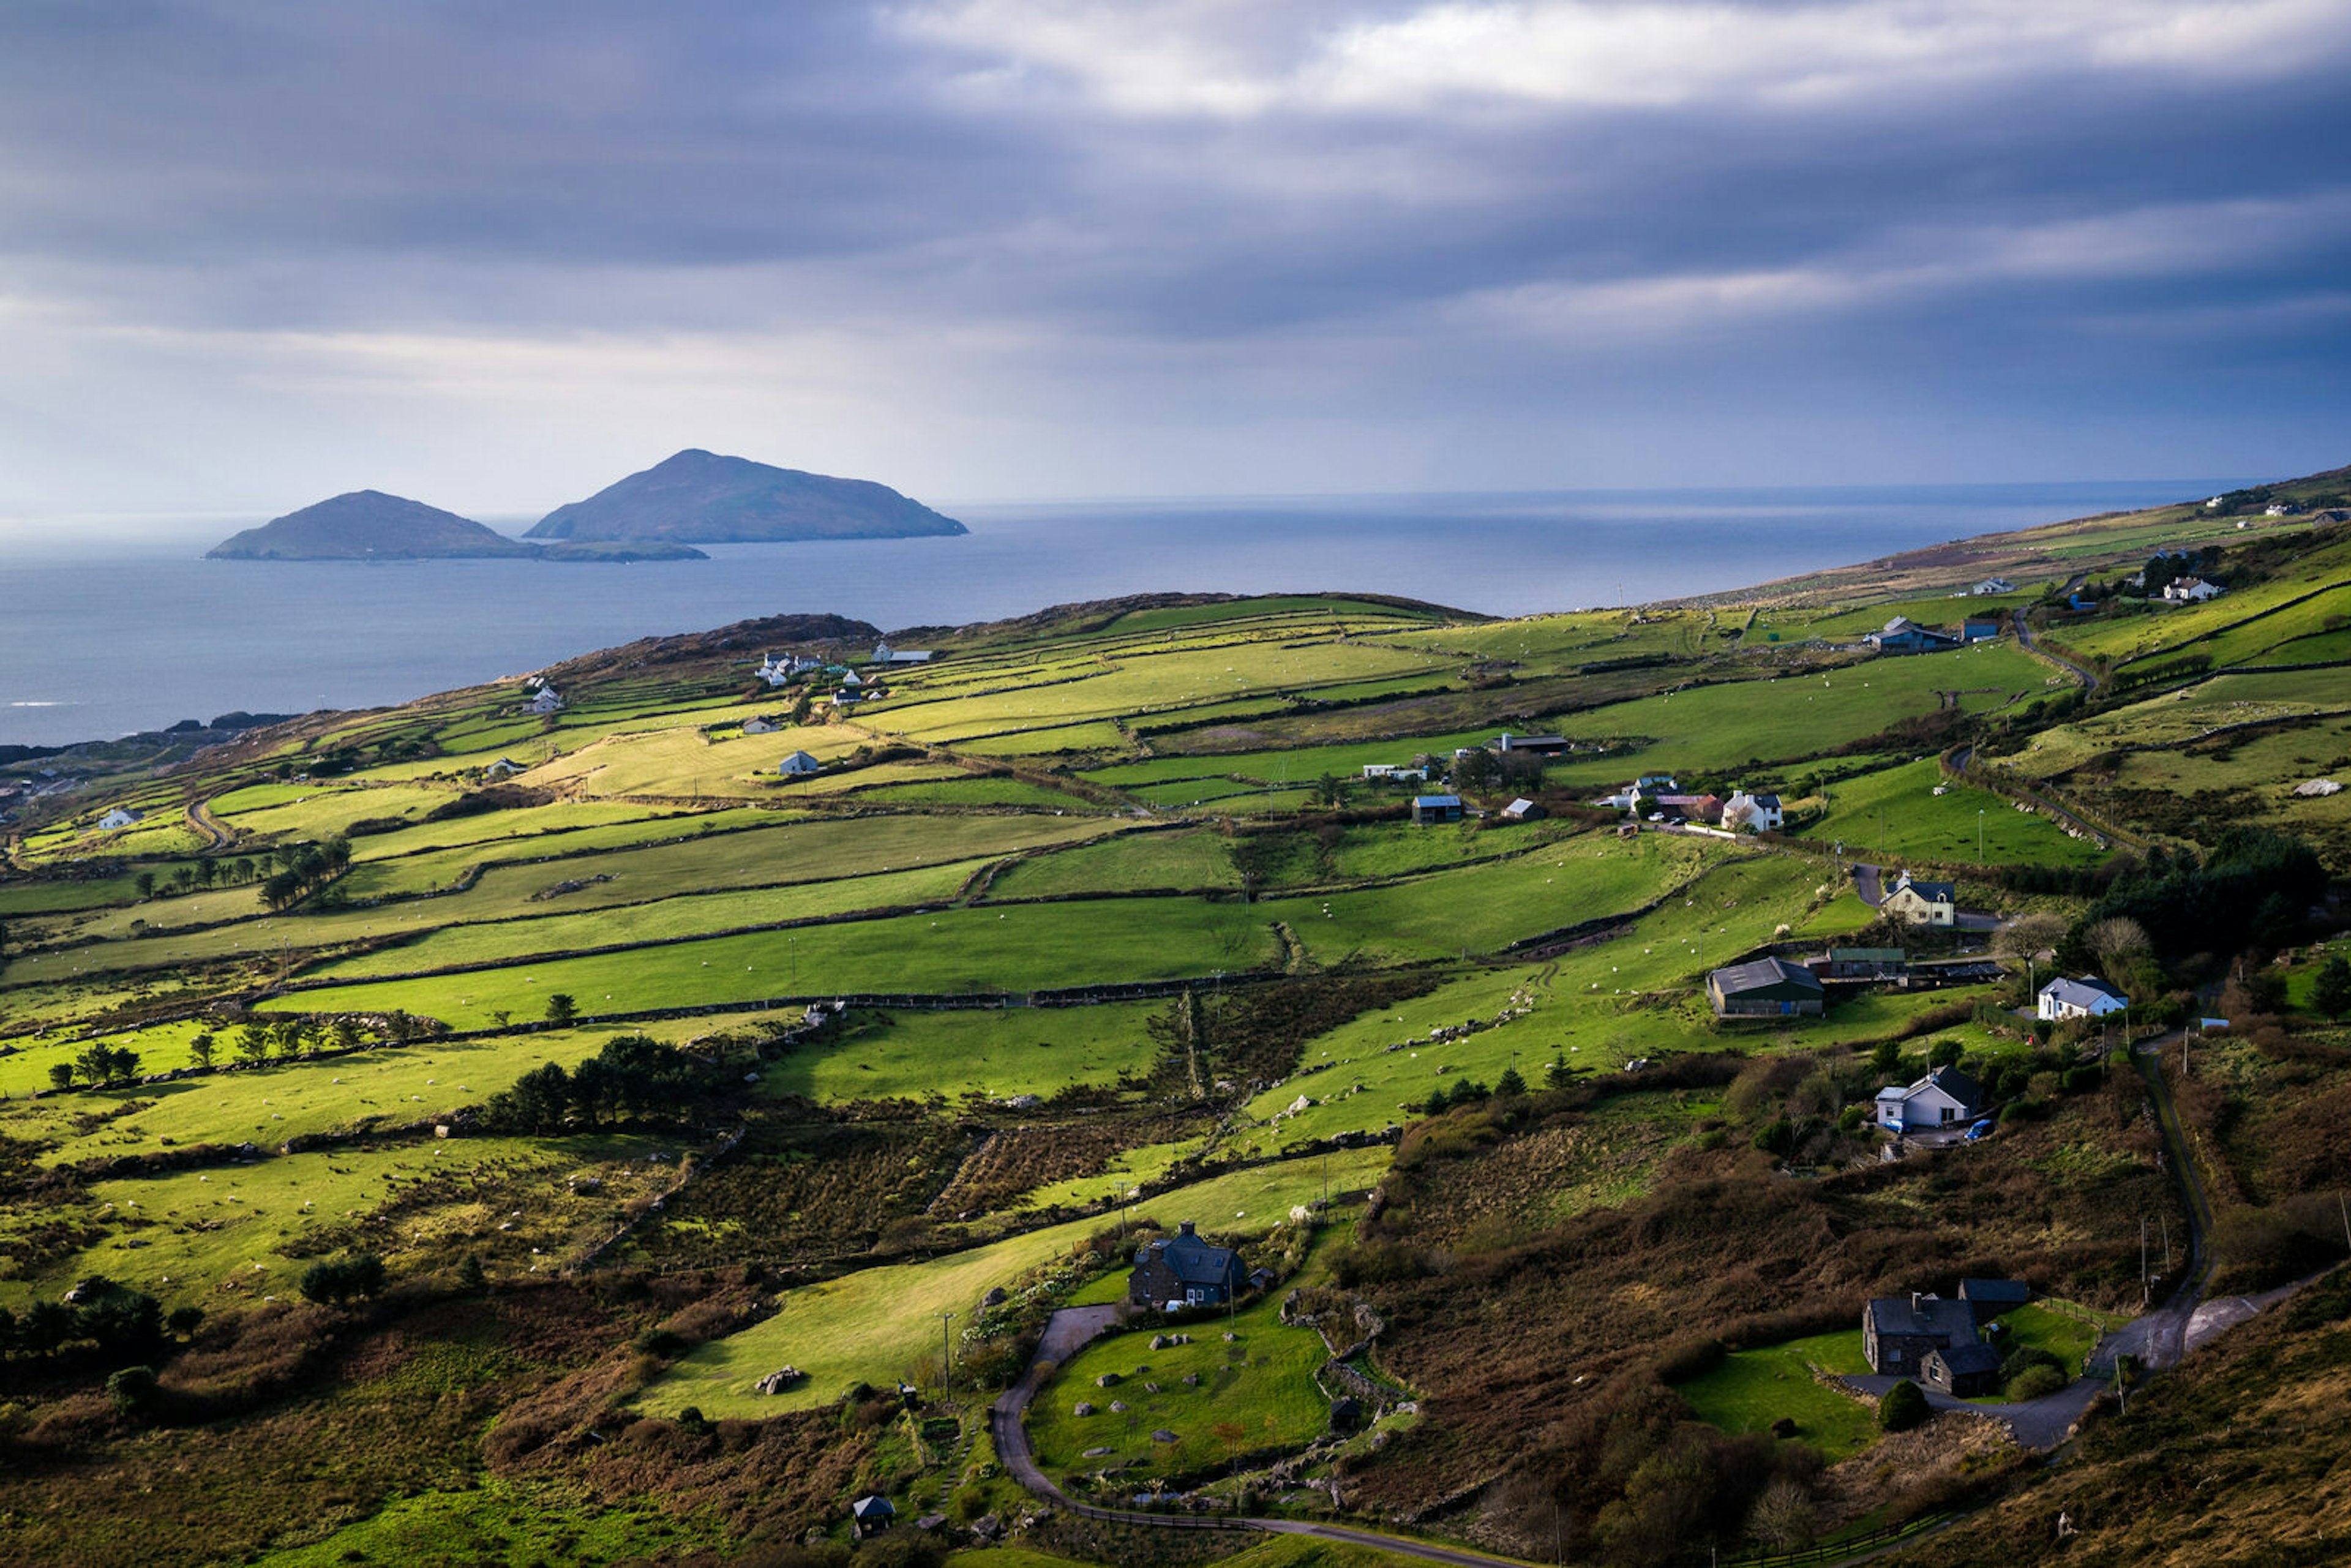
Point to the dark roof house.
(1185, 1272)
(1897, 1331)
(1764, 987)
(1961, 1370)
(1988, 1299)
(871, 1516)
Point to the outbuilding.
(1430, 810)
(1764, 987)
(1961, 1370)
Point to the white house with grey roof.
(1943, 1098)
(2087, 997)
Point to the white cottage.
(121, 817)
(1943, 1098)
(1757, 813)
(545, 700)
(2063, 998)
(799, 765)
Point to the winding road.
(1067, 1330)
(2024, 637)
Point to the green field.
(1894, 814)
(880, 1323)
(1754, 1388)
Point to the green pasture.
(1554, 641)
(680, 761)
(269, 1105)
(682, 916)
(505, 1525)
(56, 897)
(980, 790)
(2036, 1327)
(1122, 1173)
(1793, 716)
(2271, 763)
(2177, 717)
(1896, 815)
(320, 812)
(1095, 734)
(429, 862)
(1754, 1388)
(1190, 860)
(1850, 622)
(1025, 948)
(998, 1053)
(881, 1323)
(1262, 1382)
(1294, 764)
(245, 1232)
(1140, 683)
(25, 1061)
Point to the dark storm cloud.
(1466, 201)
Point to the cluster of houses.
(1659, 797)
(783, 669)
(1940, 1340)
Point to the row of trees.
(122, 1324)
(633, 1078)
(311, 867)
(209, 873)
(97, 1065)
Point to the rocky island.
(367, 525)
(704, 497)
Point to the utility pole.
(2144, 1292)
(2165, 1220)
(1979, 830)
(946, 1353)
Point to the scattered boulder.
(781, 1379)
(1118, 1406)
(1162, 1436)
(1160, 1342)
(1081, 1409)
(1785, 1427)
(996, 1297)
(1191, 1380)
(988, 1527)
(1107, 1380)
(1150, 1388)
(1095, 1453)
(1231, 1336)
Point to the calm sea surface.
(107, 628)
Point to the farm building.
(2191, 590)
(1764, 987)
(121, 817)
(1980, 628)
(1538, 744)
(1896, 1331)
(504, 767)
(1992, 585)
(545, 700)
(1988, 1299)
(1522, 810)
(760, 725)
(1922, 903)
(1904, 636)
(799, 765)
(2082, 999)
(885, 655)
(1961, 1370)
(871, 1516)
(1695, 807)
(1943, 1098)
(1862, 964)
(1432, 809)
(1185, 1272)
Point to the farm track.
(2024, 639)
(200, 817)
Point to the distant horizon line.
(211, 516)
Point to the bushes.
(340, 1282)
(1903, 1408)
(1690, 1358)
(2034, 1382)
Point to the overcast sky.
(494, 257)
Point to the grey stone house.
(1185, 1272)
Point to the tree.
(253, 1043)
(561, 1010)
(145, 882)
(337, 1282)
(1944, 1053)
(132, 1389)
(1557, 1076)
(61, 1075)
(1330, 790)
(200, 1049)
(2330, 991)
(347, 1035)
(1903, 1408)
(2119, 944)
(1510, 1086)
(1886, 1056)
(471, 1278)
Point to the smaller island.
(367, 525)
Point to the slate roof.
(1996, 1292)
(1193, 1260)
(865, 1510)
(2084, 993)
(1757, 973)
(1932, 892)
(1932, 1315)
(1968, 1358)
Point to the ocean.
(109, 630)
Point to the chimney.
(1184, 1229)
(1917, 1300)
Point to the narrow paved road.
(1069, 1330)
(201, 818)
(2024, 636)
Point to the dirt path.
(1070, 1329)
